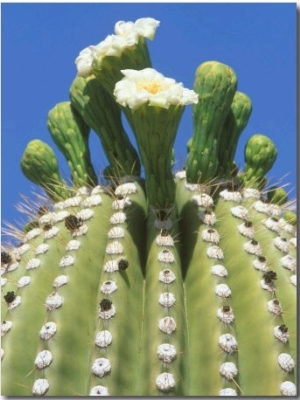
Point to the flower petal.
(148, 85)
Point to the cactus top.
(127, 35)
(148, 85)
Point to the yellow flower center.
(151, 87)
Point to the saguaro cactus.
(159, 283)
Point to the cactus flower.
(84, 61)
(128, 35)
(154, 105)
(148, 85)
(145, 27)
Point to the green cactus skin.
(108, 72)
(39, 164)
(261, 321)
(243, 281)
(215, 84)
(189, 144)
(277, 195)
(35, 295)
(290, 217)
(198, 329)
(155, 131)
(201, 304)
(165, 320)
(88, 306)
(102, 114)
(78, 304)
(70, 133)
(260, 155)
(235, 123)
(126, 325)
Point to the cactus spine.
(169, 284)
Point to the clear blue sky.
(41, 41)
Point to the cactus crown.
(153, 283)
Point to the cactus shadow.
(137, 229)
(188, 223)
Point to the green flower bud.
(290, 217)
(39, 164)
(260, 154)
(215, 84)
(70, 133)
(277, 195)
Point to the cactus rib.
(123, 267)
(165, 323)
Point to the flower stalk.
(234, 125)
(102, 114)
(215, 84)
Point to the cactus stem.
(155, 286)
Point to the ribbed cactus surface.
(167, 282)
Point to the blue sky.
(40, 42)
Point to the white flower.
(145, 27)
(85, 60)
(112, 45)
(148, 85)
(127, 35)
